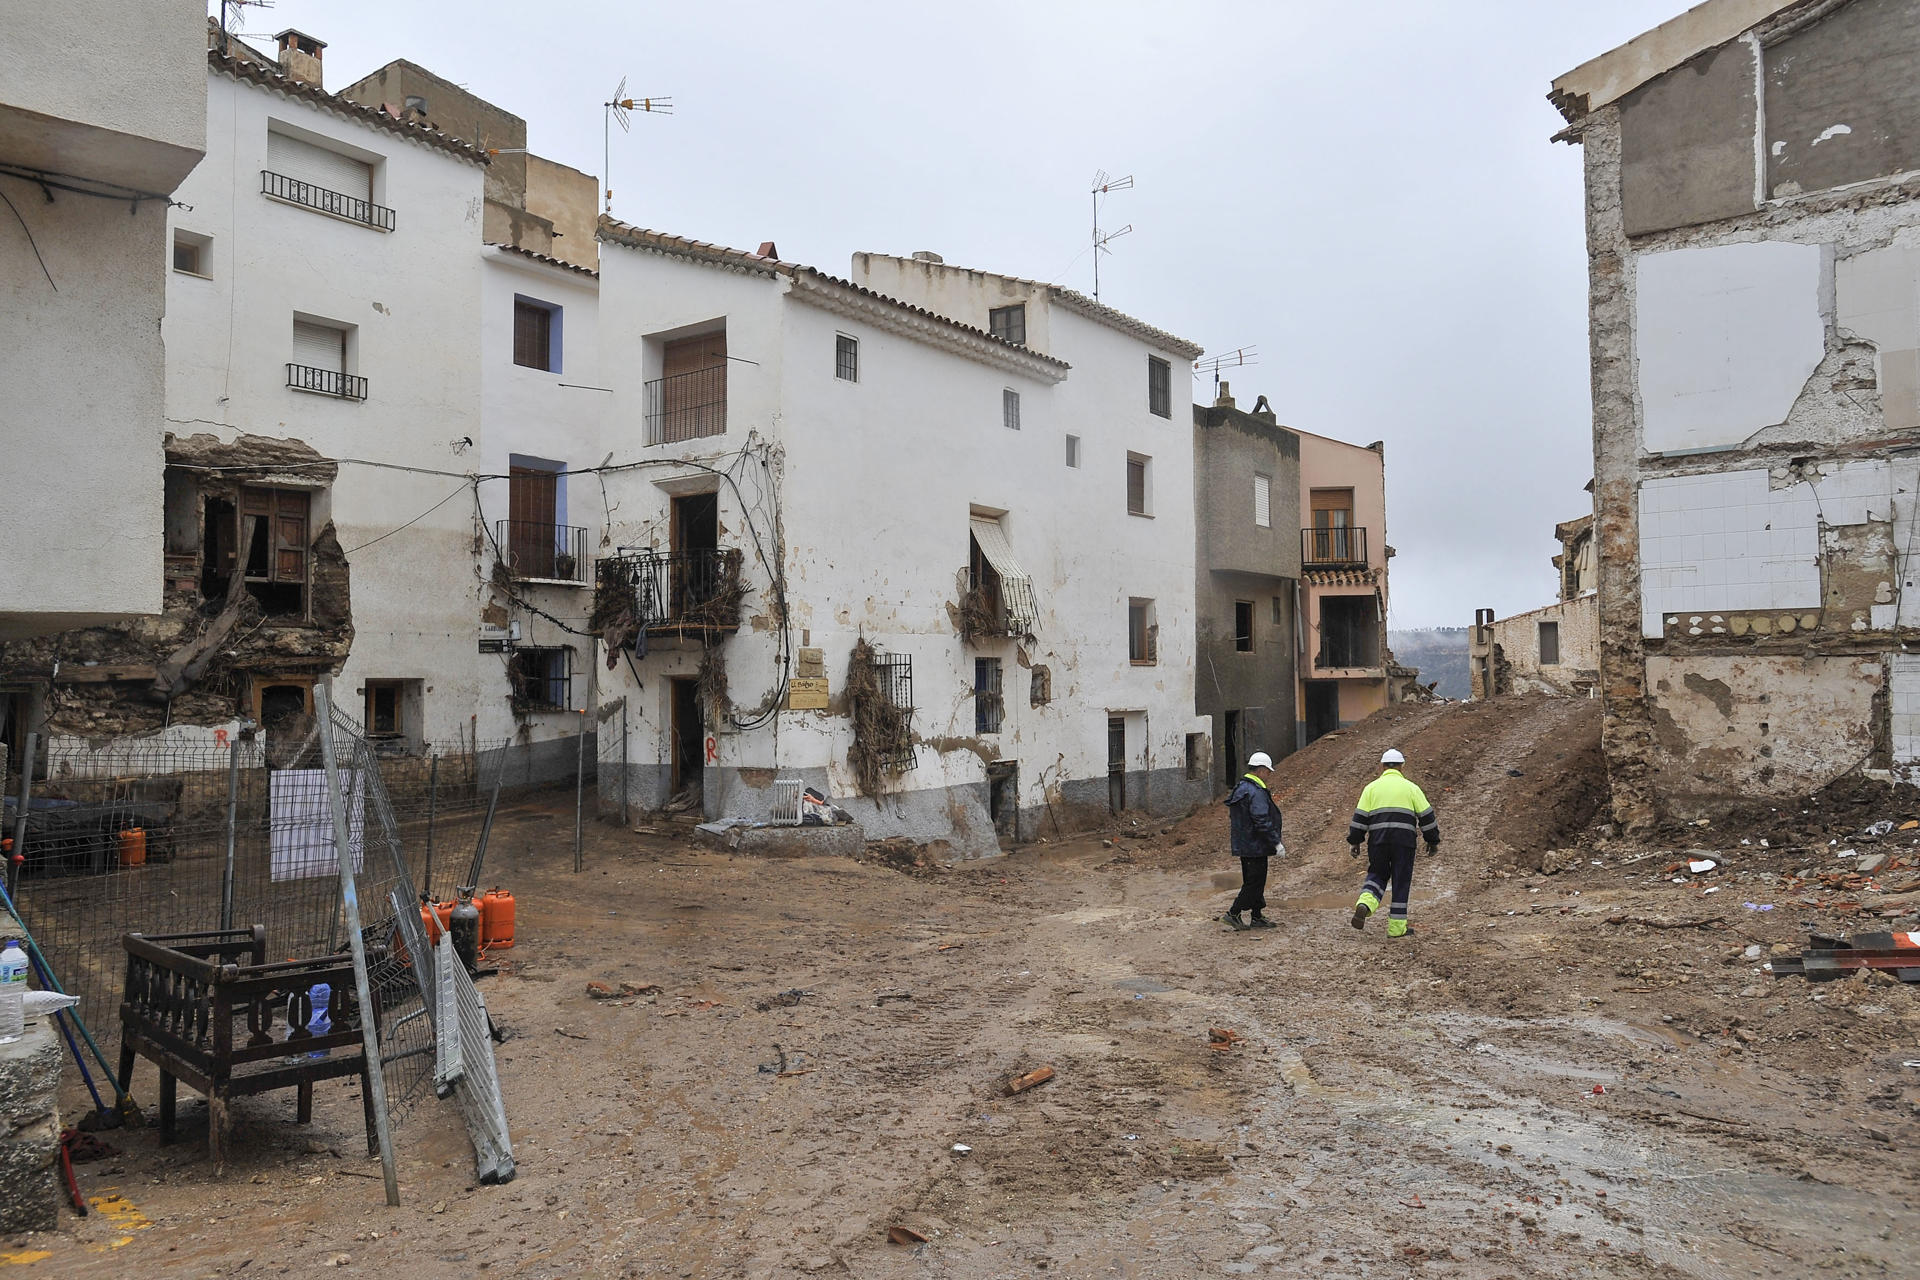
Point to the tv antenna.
(1103, 183)
(1234, 359)
(233, 17)
(618, 110)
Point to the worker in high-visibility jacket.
(1393, 816)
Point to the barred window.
(989, 707)
(1010, 409)
(846, 358)
(1159, 387)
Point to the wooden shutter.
(284, 514)
(328, 170)
(1136, 487)
(532, 335)
(533, 503)
(695, 400)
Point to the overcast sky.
(1363, 191)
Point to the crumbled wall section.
(1756, 378)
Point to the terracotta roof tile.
(254, 70)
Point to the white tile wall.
(1726, 541)
(1904, 689)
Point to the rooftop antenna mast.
(233, 17)
(1103, 183)
(1233, 359)
(618, 110)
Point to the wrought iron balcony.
(667, 592)
(326, 382)
(537, 549)
(687, 406)
(1339, 547)
(337, 203)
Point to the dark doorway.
(217, 548)
(1231, 743)
(286, 717)
(689, 735)
(696, 522)
(1003, 798)
(1323, 708)
(1116, 763)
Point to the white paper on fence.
(300, 824)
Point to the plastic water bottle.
(13, 992)
(319, 1024)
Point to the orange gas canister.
(133, 847)
(433, 919)
(496, 920)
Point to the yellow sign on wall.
(807, 693)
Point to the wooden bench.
(203, 1008)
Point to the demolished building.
(1552, 649)
(1753, 226)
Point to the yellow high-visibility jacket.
(1393, 813)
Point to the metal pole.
(350, 906)
(625, 819)
(433, 796)
(579, 787)
(19, 858)
(233, 826)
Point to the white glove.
(1279, 849)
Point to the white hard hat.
(1392, 757)
(1260, 760)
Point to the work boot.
(1261, 922)
(1233, 918)
(1360, 913)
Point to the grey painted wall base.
(29, 1088)
(538, 764)
(844, 841)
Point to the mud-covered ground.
(1579, 1074)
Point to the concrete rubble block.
(846, 840)
(29, 1149)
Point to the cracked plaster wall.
(1686, 450)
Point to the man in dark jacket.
(1256, 837)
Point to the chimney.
(927, 255)
(1223, 398)
(300, 57)
(1264, 411)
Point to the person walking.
(1391, 819)
(1256, 837)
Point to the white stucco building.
(102, 113)
(896, 479)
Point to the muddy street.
(1547, 1080)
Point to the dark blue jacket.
(1256, 820)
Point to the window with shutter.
(318, 177)
(1137, 489)
(319, 346)
(1009, 324)
(1263, 502)
(533, 335)
(533, 508)
(274, 527)
(692, 398)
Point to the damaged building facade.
(1552, 649)
(1246, 497)
(1753, 225)
(920, 538)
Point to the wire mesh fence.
(149, 838)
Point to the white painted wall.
(1727, 335)
(413, 298)
(105, 89)
(1877, 297)
(529, 412)
(879, 477)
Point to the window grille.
(989, 706)
(1010, 409)
(893, 673)
(542, 679)
(846, 358)
(1159, 387)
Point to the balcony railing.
(1333, 548)
(326, 382)
(687, 406)
(667, 591)
(537, 549)
(337, 203)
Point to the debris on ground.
(1022, 1083)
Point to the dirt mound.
(1848, 804)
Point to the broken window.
(542, 679)
(1143, 633)
(536, 332)
(1000, 599)
(1009, 324)
(1159, 387)
(846, 358)
(266, 539)
(1349, 632)
(1198, 765)
(989, 707)
(1243, 626)
(1549, 644)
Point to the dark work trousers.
(1391, 865)
(1253, 886)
